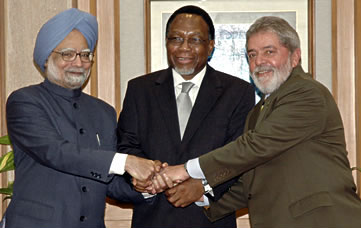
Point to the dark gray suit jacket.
(61, 174)
(294, 162)
(148, 126)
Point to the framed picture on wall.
(231, 19)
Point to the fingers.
(157, 166)
(185, 193)
(165, 165)
(161, 182)
(176, 173)
(140, 168)
(167, 180)
(153, 176)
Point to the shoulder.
(300, 87)
(301, 81)
(26, 93)
(228, 79)
(150, 78)
(141, 84)
(231, 85)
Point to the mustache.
(75, 70)
(263, 68)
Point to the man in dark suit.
(149, 124)
(292, 155)
(64, 140)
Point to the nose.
(259, 60)
(185, 45)
(77, 62)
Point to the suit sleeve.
(120, 189)
(33, 131)
(297, 116)
(233, 200)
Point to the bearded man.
(292, 155)
(64, 140)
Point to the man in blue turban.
(64, 140)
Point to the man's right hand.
(141, 169)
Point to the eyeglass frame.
(61, 52)
(173, 41)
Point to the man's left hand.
(186, 193)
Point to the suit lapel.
(164, 93)
(211, 88)
(253, 116)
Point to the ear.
(210, 48)
(296, 57)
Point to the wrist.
(186, 173)
(207, 188)
(128, 162)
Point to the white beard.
(184, 71)
(68, 80)
(269, 84)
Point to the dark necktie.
(184, 106)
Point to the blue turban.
(57, 28)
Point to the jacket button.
(75, 105)
(84, 189)
(81, 131)
(82, 218)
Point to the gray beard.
(184, 71)
(269, 85)
(70, 81)
(76, 81)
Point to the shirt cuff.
(204, 203)
(118, 164)
(194, 169)
(147, 195)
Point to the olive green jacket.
(293, 159)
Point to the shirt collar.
(197, 79)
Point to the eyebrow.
(263, 48)
(72, 49)
(187, 33)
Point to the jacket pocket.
(309, 203)
(34, 209)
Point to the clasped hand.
(180, 189)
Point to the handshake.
(155, 177)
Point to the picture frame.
(231, 19)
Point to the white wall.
(132, 44)
(323, 19)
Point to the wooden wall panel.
(3, 149)
(344, 81)
(358, 87)
(92, 85)
(105, 51)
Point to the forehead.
(74, 39)
(188, 22)
(264, 39)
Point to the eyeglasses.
(70, 55)
(192, 41)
